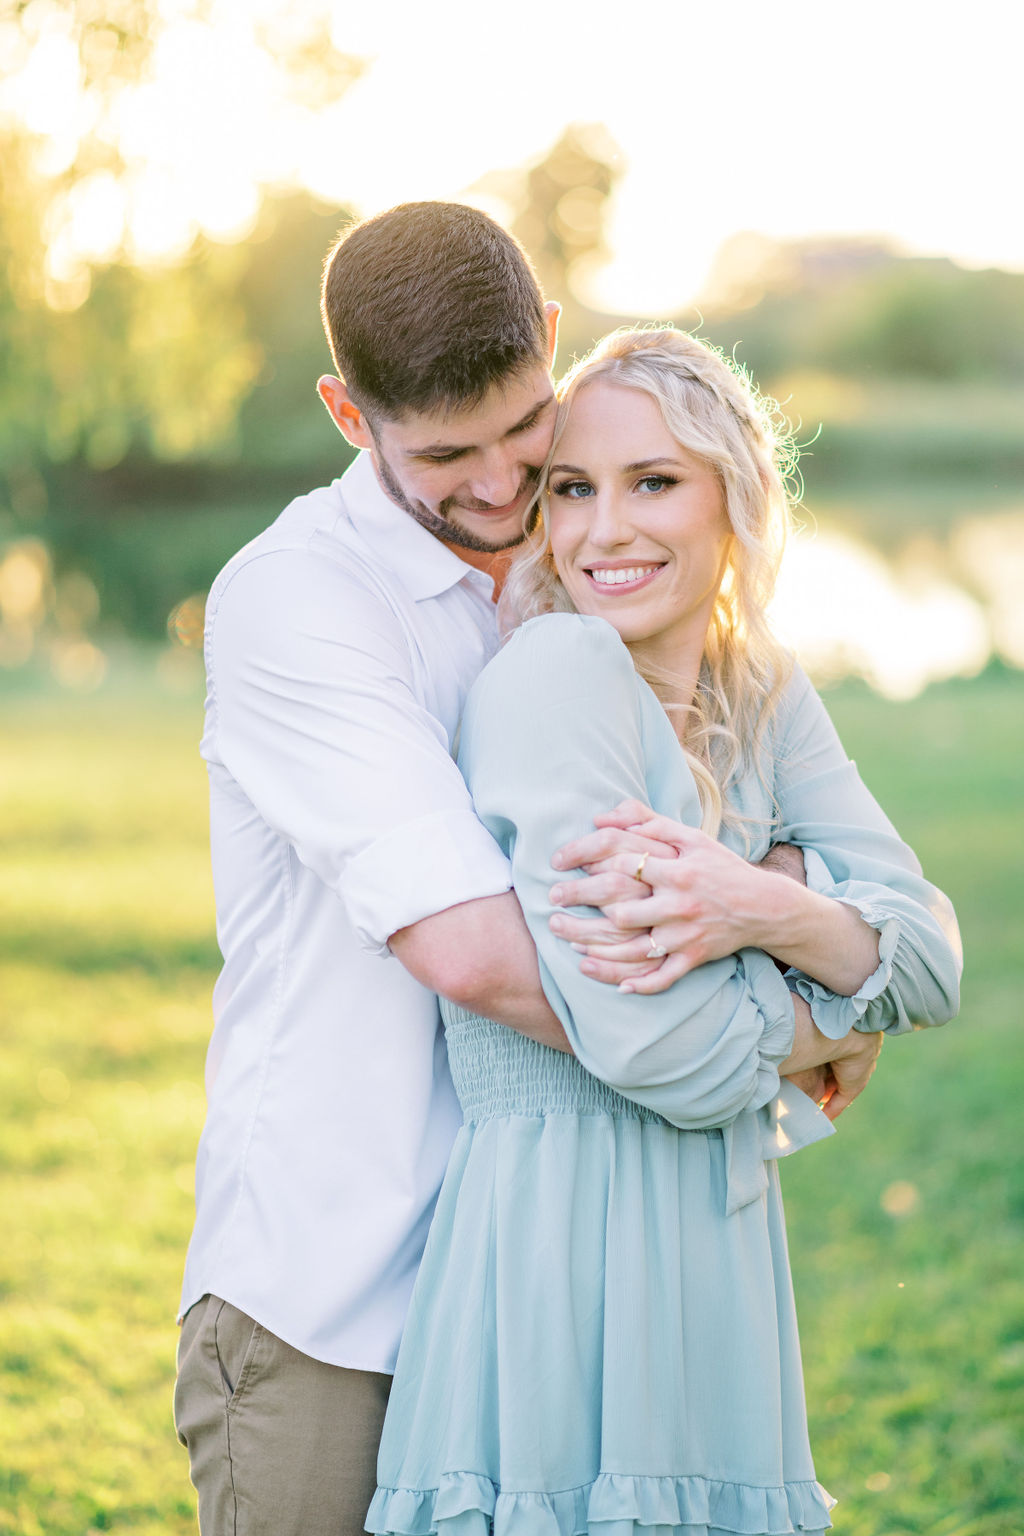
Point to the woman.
(602, 1336)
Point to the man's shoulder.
(311, 546)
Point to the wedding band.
(657, 952)
(640, 867)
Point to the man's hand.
(670, 898)
(831, 1072)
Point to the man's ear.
(553, 310)
(343, 411)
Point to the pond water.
(937, 611)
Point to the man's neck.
(493, 562)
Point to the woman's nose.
(608, 525)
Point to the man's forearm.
(481, 956)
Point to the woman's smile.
(618, 580)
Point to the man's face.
(468, 476)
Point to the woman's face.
(639, 531)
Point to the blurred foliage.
(562, 205)
(858, 308)
(147, 432)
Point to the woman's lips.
(619, 579)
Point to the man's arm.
(831, 1072)
(481, 956)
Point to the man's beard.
(440, 523)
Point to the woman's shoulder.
(554, 660)
(553, 638)
(801, 717)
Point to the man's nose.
(498, 479)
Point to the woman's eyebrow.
(648, 463)
(574, 469)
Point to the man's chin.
(505, 533)
(487, 537)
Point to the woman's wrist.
(824, 937)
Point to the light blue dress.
(602, 1336)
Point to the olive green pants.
(279, 1444)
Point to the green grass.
(913, 1324)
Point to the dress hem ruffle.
(468, 1504)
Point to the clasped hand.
(695, 901)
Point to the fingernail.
(555, 894)
(580, 949)
(625, 986)
(556, 861)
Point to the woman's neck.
(673, 673)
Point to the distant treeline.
(147, 433)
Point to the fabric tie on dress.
(789, 1122)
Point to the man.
(353, 881)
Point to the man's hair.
(429, 305)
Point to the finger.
(596, 848)
(615, 972)
(834, 1105)
(628, 813)
(591, 932)
(668, 971)
(598, 891)
(633, 950)
(675, 834)
(633, 865)
(636, 910)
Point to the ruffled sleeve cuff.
(834, 1015)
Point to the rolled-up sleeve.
(314, 710)
(558, 728)
(853, 854)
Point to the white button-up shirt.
(340, 645)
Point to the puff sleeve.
(853, 854)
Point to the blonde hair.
(714, 411)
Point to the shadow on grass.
(76, 951)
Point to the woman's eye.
(574, 490)
(654, 483)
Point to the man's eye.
(442, 458)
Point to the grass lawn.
(906, 1229)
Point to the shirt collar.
(424, 565)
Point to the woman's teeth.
(621, 577)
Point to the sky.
(898, 120)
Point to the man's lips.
(621, 577)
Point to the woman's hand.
(666, 892)
(691, 900)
